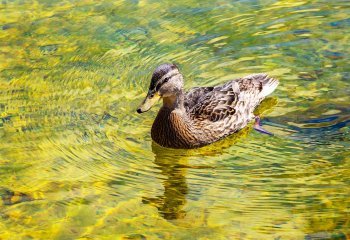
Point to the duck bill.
(148, 103)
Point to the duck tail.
(268, 85)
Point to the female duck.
(202, 115)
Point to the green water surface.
(77, 161)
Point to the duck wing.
(239, 96)
(194, 94)
(216, 104)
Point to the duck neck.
(175, 101)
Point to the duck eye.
(152, 95)
(166, 79)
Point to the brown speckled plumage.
(203, 114)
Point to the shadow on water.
(321, 125)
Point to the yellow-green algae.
(77, 162)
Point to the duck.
(202, 115)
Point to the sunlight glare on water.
(76, 161)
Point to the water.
(76, 161)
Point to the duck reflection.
(173, 166)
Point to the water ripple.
(78, 162)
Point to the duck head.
(166, 83)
